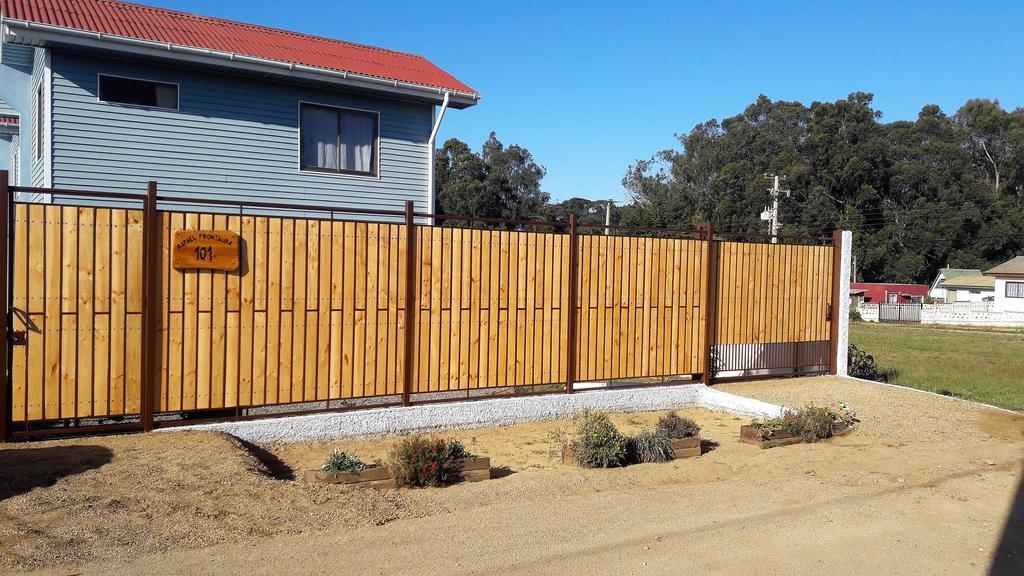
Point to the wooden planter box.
(686, 447)
(372, 477)
(782, 437)
(681, 447)
(473, 470)
(476, 469)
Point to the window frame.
(177, 93)
(1020, 287)
(374, 174)
(39, 122)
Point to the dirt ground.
(925, 485)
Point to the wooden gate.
(105, 332)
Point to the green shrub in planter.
(340, 461)
(598, 443)
(420, 461)
(651, 445)
(675, 426)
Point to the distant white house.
(962, 285)
(1008, 280)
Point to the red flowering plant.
(419, 461)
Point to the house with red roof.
(888, 293)
(107, 95)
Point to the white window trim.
(298, 143)
(177, 100)
(48, 122)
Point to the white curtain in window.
(319, 138)
(357, 135)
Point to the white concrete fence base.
(483, 413)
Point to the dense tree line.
(939, 190)
(919, 195)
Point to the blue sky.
(591, 87)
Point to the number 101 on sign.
(205, 249)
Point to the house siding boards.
(232, 138)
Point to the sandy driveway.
(924, 487)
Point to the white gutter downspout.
(431, 201)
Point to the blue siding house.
(104, 95)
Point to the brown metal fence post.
(709, 296)
(570, 369)
(151, 307)
(411, 302)
(837, 264)
(5, 383)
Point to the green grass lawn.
(977, 364)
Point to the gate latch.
(18, 338)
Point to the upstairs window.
(1015, 289)
(118, 90)
(338, 140)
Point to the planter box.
(686, 447)
(372, 477)
(681, 447)
(782, 437)
(473, 470)
(476, 469)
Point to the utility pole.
(607, 217)
(771, 214)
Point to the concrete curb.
(919, 391)
(483, 413)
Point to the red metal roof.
(181, 28)
(880, 291)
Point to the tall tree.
(940, 190)
(499, 182)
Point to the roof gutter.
(431, 145)
(34, 33)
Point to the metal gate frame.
(150, 375)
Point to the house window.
(118, 90)
(1015, 289)
(338, 140)
(39, 122)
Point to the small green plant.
(598, 443)
(341, 461)
(419, 461)
(855, 313)
(766, 429)
(811, 424)
(650, 445)
(675, 426)
(816, 423)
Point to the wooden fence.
(103, 326)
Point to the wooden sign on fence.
(205, 249)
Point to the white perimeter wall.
(963, 313)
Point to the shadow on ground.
(501, 472)
(707, 446)
(24, 469)
(275, 466)
(1009, 557)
